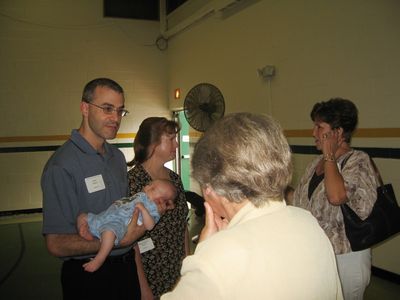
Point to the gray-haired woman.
(253, 246)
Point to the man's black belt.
(123, 258)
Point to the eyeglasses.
(108, 110)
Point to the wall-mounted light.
(177, 93)
(266, 72)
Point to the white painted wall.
(49, 51)
(50, 48)
(321, 49)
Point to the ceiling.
(138, 9)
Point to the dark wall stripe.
(390, 276)
(28, 149)
(47, 148)
(393, 153)
(20, 212)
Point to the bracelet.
(330, 157)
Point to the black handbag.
(382, 223)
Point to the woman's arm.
(334, 183)
(333, 145)
(187, 242)
(145, 289)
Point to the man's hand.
(214, 223)
(134, 231)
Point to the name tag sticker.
(146, 245)
(95, 183)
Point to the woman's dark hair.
(338, 113)
(149, 133)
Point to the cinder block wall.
(49, 51)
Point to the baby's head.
(161, 191)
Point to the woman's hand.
(331, 142)
(333, 146)
(214, 223)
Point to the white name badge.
(95, 183)
(146, 245)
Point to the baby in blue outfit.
(110, 225)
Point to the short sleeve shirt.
(79, 179)
(360, 183)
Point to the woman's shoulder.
(172, 173)
(138, 178)
(357, 162)
(360, 153)
(137, 170)
(134, 168)
(226, 239)
(357, 156)
(174, 176)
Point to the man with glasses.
(87, 174)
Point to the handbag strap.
(345, 160)
(377, 173)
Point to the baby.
(110, 225)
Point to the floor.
(28, 272)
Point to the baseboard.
(387, 275)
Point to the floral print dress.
(162, 264)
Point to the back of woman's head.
(338, 113)
(242, 156)
(149, 135)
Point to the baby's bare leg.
(106, 245)
(83, 227)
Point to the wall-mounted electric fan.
(204, 104)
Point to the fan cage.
(204, 104)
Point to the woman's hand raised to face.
(213, 224)
(332, 141)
